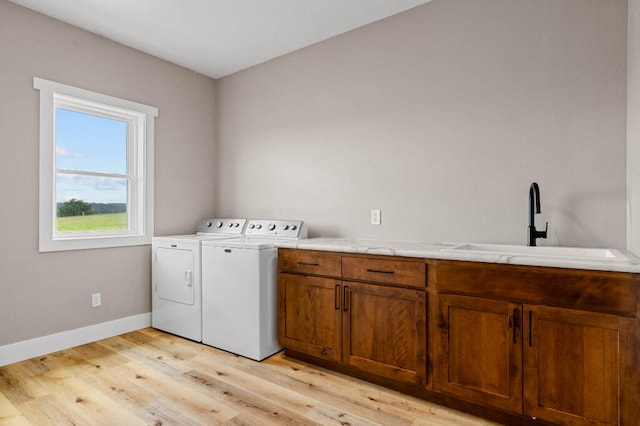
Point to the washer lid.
(193, 238)
(246, 243)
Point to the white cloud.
(109, 184)
(61, 151)
(94, 189)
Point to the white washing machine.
(176, 289)
(240, 288)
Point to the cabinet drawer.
(309, 262)
(599, 291)
(393, 271)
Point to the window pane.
(90, 143)
(90, 203)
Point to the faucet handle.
(543, 234)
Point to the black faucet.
(534, 208)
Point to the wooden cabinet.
(309, 315)
(385, 271)
(310, 263)
(561, 365)
(557, 345)
(378, 326)
(479, 355)
(579, 367)
(384, 331)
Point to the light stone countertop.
(437, 250)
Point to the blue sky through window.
(90, 143)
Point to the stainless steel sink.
(557, 252)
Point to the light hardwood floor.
(148, 377)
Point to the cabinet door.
(309, 315)
(479, 352)
(580, 367)
(385, 331)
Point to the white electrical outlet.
(96, 300)
(375, 216)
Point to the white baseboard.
(27, 349)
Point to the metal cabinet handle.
(345, 295)
(515, 325)
(375, 271)
(530, 328)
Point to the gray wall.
(441, 116)
(633, 126)
(51, 292)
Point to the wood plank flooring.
(148, 377)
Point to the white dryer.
(240, 288)
(176, 301)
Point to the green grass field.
(93, 223)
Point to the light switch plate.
(375, 217)
(96, 300)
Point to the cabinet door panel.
(575, 367)
(479, 356)
(309, 315)
(385, 331)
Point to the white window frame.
(140, 142)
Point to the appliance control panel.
(270, 228)
(221, 226)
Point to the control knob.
(272, 227)
(285, 227)
(218, 224)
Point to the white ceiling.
(218, 37)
